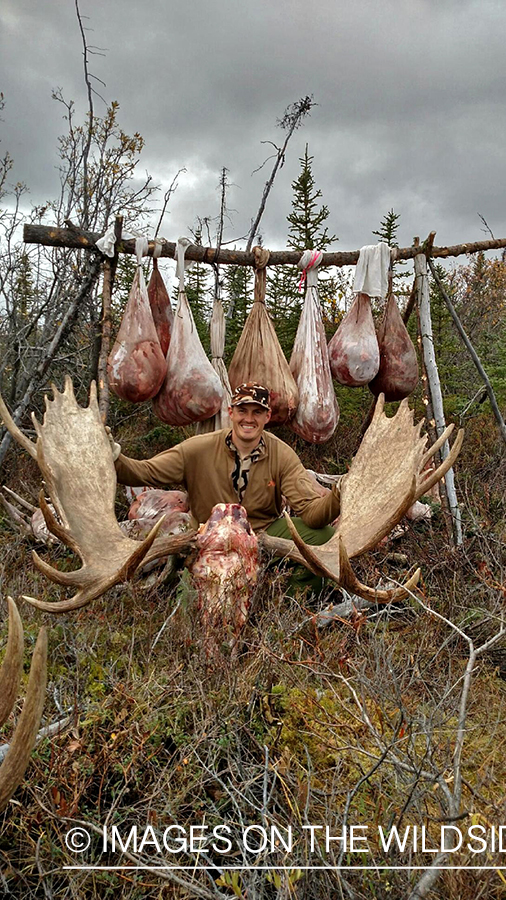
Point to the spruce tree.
(389, 227)
(307, 230)
(238, 284)
(307, 222)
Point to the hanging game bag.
(317, 414)
(398, 371)
(192, 390)
(258, 355)
(161, 308)
(353, 350)
(136, 365)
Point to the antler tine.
(392, 595)
(21, 500)
(18, 755)
(169, 545)
(11, 426)
(437, 444)
(69, 388)
(21, 519)
(311, 558)
(379, 407)
(91, 584)
(425, 484)
(67, 393)
(351, 583)
(67, 579)
(93, 400)
(54, 526)
(12, 666)
(285, 549)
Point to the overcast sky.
(410, 98)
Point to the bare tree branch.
(291, 120)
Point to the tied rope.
(308, 262)
(261, 259)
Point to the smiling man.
(246, 465)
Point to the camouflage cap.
(251, 392)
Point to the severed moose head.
(225, 572)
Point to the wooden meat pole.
(82, 240)
(436, 396)
(108, 284)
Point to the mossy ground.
(299, 727)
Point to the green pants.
(301, 578)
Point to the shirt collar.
(255, 453)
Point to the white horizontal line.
(227, 868)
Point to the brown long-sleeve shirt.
(204, 465)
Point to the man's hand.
(115, 447)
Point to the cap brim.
(249, 400)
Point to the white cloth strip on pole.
(106, 244)
(371, 273)
(182, 264)
(429, 357)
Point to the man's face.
(248, 422)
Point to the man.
(246, 465)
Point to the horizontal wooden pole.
(74, 238)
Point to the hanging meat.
(398, 371)
(161, 308)
(317, 414)
(136, 365)
(192, 390)
(353, 350)
(258, 355)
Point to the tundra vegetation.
(394, 718)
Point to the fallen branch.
(47, 731)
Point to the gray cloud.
(410, 108)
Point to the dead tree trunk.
(435, 385)
(109, 273)
(472, 352)
(291, 120)
(51, 352)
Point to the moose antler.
(18, 755)
(385, 478)
(74, 455)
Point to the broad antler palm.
(385, 478)
(16, 760)
(74, 456)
